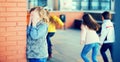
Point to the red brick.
(21, 23)
(12, 48)
(7, 4)
(2, 38)
(22, 52)
(11, 43)
(3, 44)
(21, 4)
(16, 57)
(9, 29)
(2, 19)
(5, 24)
(2, 34)
(2, 49)
(13, 57)
(19, 56)
(8, 34)
(2, 9)
(16, 28)
(16, 38)
(22, 60)
(10, 60)
(21, 42)
(21, 33)
(17, 19)
(16, 48)
(16, 9)
(22, 14)
(2, 53)
(16, 0)
(9, 53)
(4, 14)
(2, 0)
(2, 58)
(2, 29)
(11, 33)
(19, 28)
(21, 48)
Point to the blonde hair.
(51, 18)
(42, 14)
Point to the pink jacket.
(88, 36)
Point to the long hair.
(90, 22)
(52, 20)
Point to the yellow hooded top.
(52, 26)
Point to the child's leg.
(49, 44)
(94, 52)
(103, 50)
(111, 49)
(84, 52)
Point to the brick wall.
(12, 30)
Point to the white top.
(88, 36)
(107, 31)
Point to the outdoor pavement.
(67, 48)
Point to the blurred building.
(74, 9)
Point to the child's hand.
(34, 23)
(82, 42)
(99, 35)
(100, 44)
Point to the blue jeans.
(37, 60)
(49, 35)
(104, 48)
(87, 48)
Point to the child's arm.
(104, 33)
(58, 20)
(82, 34)
(36, 33)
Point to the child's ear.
(110, 16)
(102, 18)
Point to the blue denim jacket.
(36, 41)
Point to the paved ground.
(67, 48)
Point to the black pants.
(49, 35)
(104, 48)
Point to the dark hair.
(32, 9)
(90, 22)
(106, 15)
